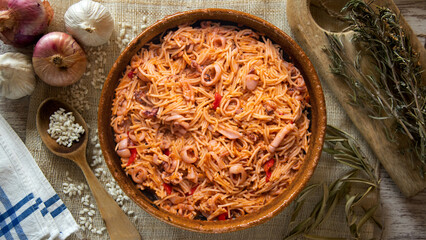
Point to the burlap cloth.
(85, 95)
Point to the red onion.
(22, 22)
(58, 59)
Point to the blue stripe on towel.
(44, 211)
(5, 201)
(17, 206)
(15, 222)
(4, 229)
(49, 202)
(58, 210)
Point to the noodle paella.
(212, 119)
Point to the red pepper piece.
(168, 188)
(268, 164)
(130, 74)
(217, 99)
(222, 216)
(133, 155)
(192, 190)
(166, 152)
(267, 167)
(268, 175)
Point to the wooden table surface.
(403, 218)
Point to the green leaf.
(378, 224)
(321, 237)
(367, 216)
(301, 200)
(296, 211)
(360, 180)
(331, 151)
(349, 204)
(344, 150)
(322, 209)
(335, 200)
(302, 226)
(369, 189)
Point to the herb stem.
(394, 89)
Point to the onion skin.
(22, 22)
(58, 59)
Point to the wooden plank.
(309, 31)
(16, 113)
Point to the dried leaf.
(322, 209)
(301, 200)
(393, 90)
(333, 205)
(349, 204)
(321, 238)
(360, 180)
(367, 216)
(345, 150)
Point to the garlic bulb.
(89, 22)
(17, 78)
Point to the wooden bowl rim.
(318, 126)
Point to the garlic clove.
(89, 22)
(17, 78)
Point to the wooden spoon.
(117, 223)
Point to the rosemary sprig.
(346, 151)
(396, 91)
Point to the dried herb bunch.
(361, 174)
(395, 91)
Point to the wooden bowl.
(294, 53)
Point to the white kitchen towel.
(29, 207)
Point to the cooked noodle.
(211, 119)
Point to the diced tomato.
(222, 216)
(130, 74)
(166, 152)
(168, 188)
(217, 99)
(133, 155)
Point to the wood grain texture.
(309, 26)
(16, 113)
(414, 12)
(404, 218)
